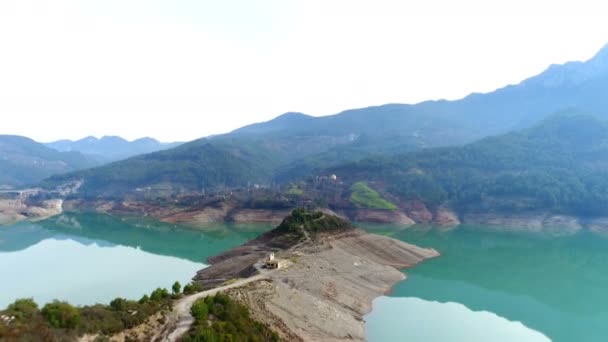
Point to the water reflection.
(551, 283)
(414, 319)
(89, 258)
(151, 236)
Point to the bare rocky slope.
(333, 272)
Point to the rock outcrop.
(19, 208)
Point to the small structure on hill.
(274, 263)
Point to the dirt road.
(180, 320)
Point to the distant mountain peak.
(146, 140)
(275, 125)
(573, 73)
(111, 147)
(602, 54)
(113, 137)
(292, 115)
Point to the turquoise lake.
(497, 286)
(486, 286)
(88, 258)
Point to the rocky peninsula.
(329, 274)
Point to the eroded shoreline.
(326, 287)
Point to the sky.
(183, 69)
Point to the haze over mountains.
(295, 145)
(110, 148)
(25, 162)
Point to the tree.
(177, 287)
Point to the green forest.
(24, 320)
(220, 319)
(558, 165)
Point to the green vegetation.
(365, 197)
(558, 165)
(295, 191)
(61, 315)
(192, 288)
(303, 222)
(196, 165)
(23, 309)
(63, 321)
(219, 318)
(177, 288)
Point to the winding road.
(180, 320)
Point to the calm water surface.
(497, 286)
(486, 286)
(89, 258)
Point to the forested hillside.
(559, 165)
(25, 162)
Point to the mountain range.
(110, 148)
(24, 161)
(296, 145)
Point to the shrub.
(192, 288)
(219, 318)
(61, 315)
(199, 310)
(159, 294)
(23, 309)
(119, 304)
(144, 299)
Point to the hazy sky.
(182, 69)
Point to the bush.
(100, 318)
(159, 294)
(119, 304)
(23, 309)
(199, 310)
(144, 299)
(61, 315)
(59, 321)
(192, 288)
